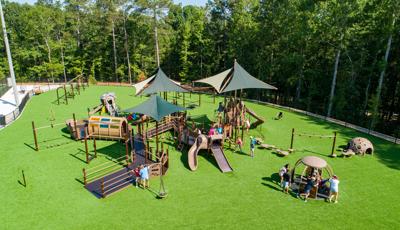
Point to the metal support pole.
(9, 57)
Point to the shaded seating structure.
(311, 166)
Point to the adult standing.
(334, 188)
(144, 176)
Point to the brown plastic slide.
(201, 142)
(259, 121)
(219, 155)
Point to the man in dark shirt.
(311, 182)
(286, 182)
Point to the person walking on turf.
(252, 146)
(144, 176)
(282, 171)
(137, 176)
(286, 182)
(334, 188)
(239, 144)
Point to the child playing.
(247, 123)
(311, 182)
(211, 132)
(334, 190)
(286, 182)
(220, 130)
(144, 176)
(282, 171)
(137, 176)
(239, 144)
(252, 146)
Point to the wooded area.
(338, 58)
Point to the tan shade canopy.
(216, 80)
(139, 86)
(235, 78)
(314, 162)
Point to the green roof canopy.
(155, 107)
(234, 79)
(158, 83)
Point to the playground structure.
(107, 105)
(235, 114)
(70, 89)
(313, 166)
(49, 142)
(213, 144)
(358, 145)
(310, 135)
(116, 175)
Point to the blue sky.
(184, 2)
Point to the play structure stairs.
(259, 119)
(220, 157)
(120, 179)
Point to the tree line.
(338, 58)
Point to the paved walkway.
(7, 101)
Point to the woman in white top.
(334, 188)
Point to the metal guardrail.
(12, 116)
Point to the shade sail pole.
(156, 137)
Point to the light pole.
(9, 58)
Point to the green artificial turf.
(205, 199)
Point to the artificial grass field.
(205, 199)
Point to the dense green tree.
(337, 58)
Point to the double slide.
(201, 142)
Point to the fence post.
(65, 95)
(199, 99)
(86, 150)
(76, 130)
(58, 97)
(94, 147)
(35, 136)
(292, 139)
(334, 143)
(84, 176)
